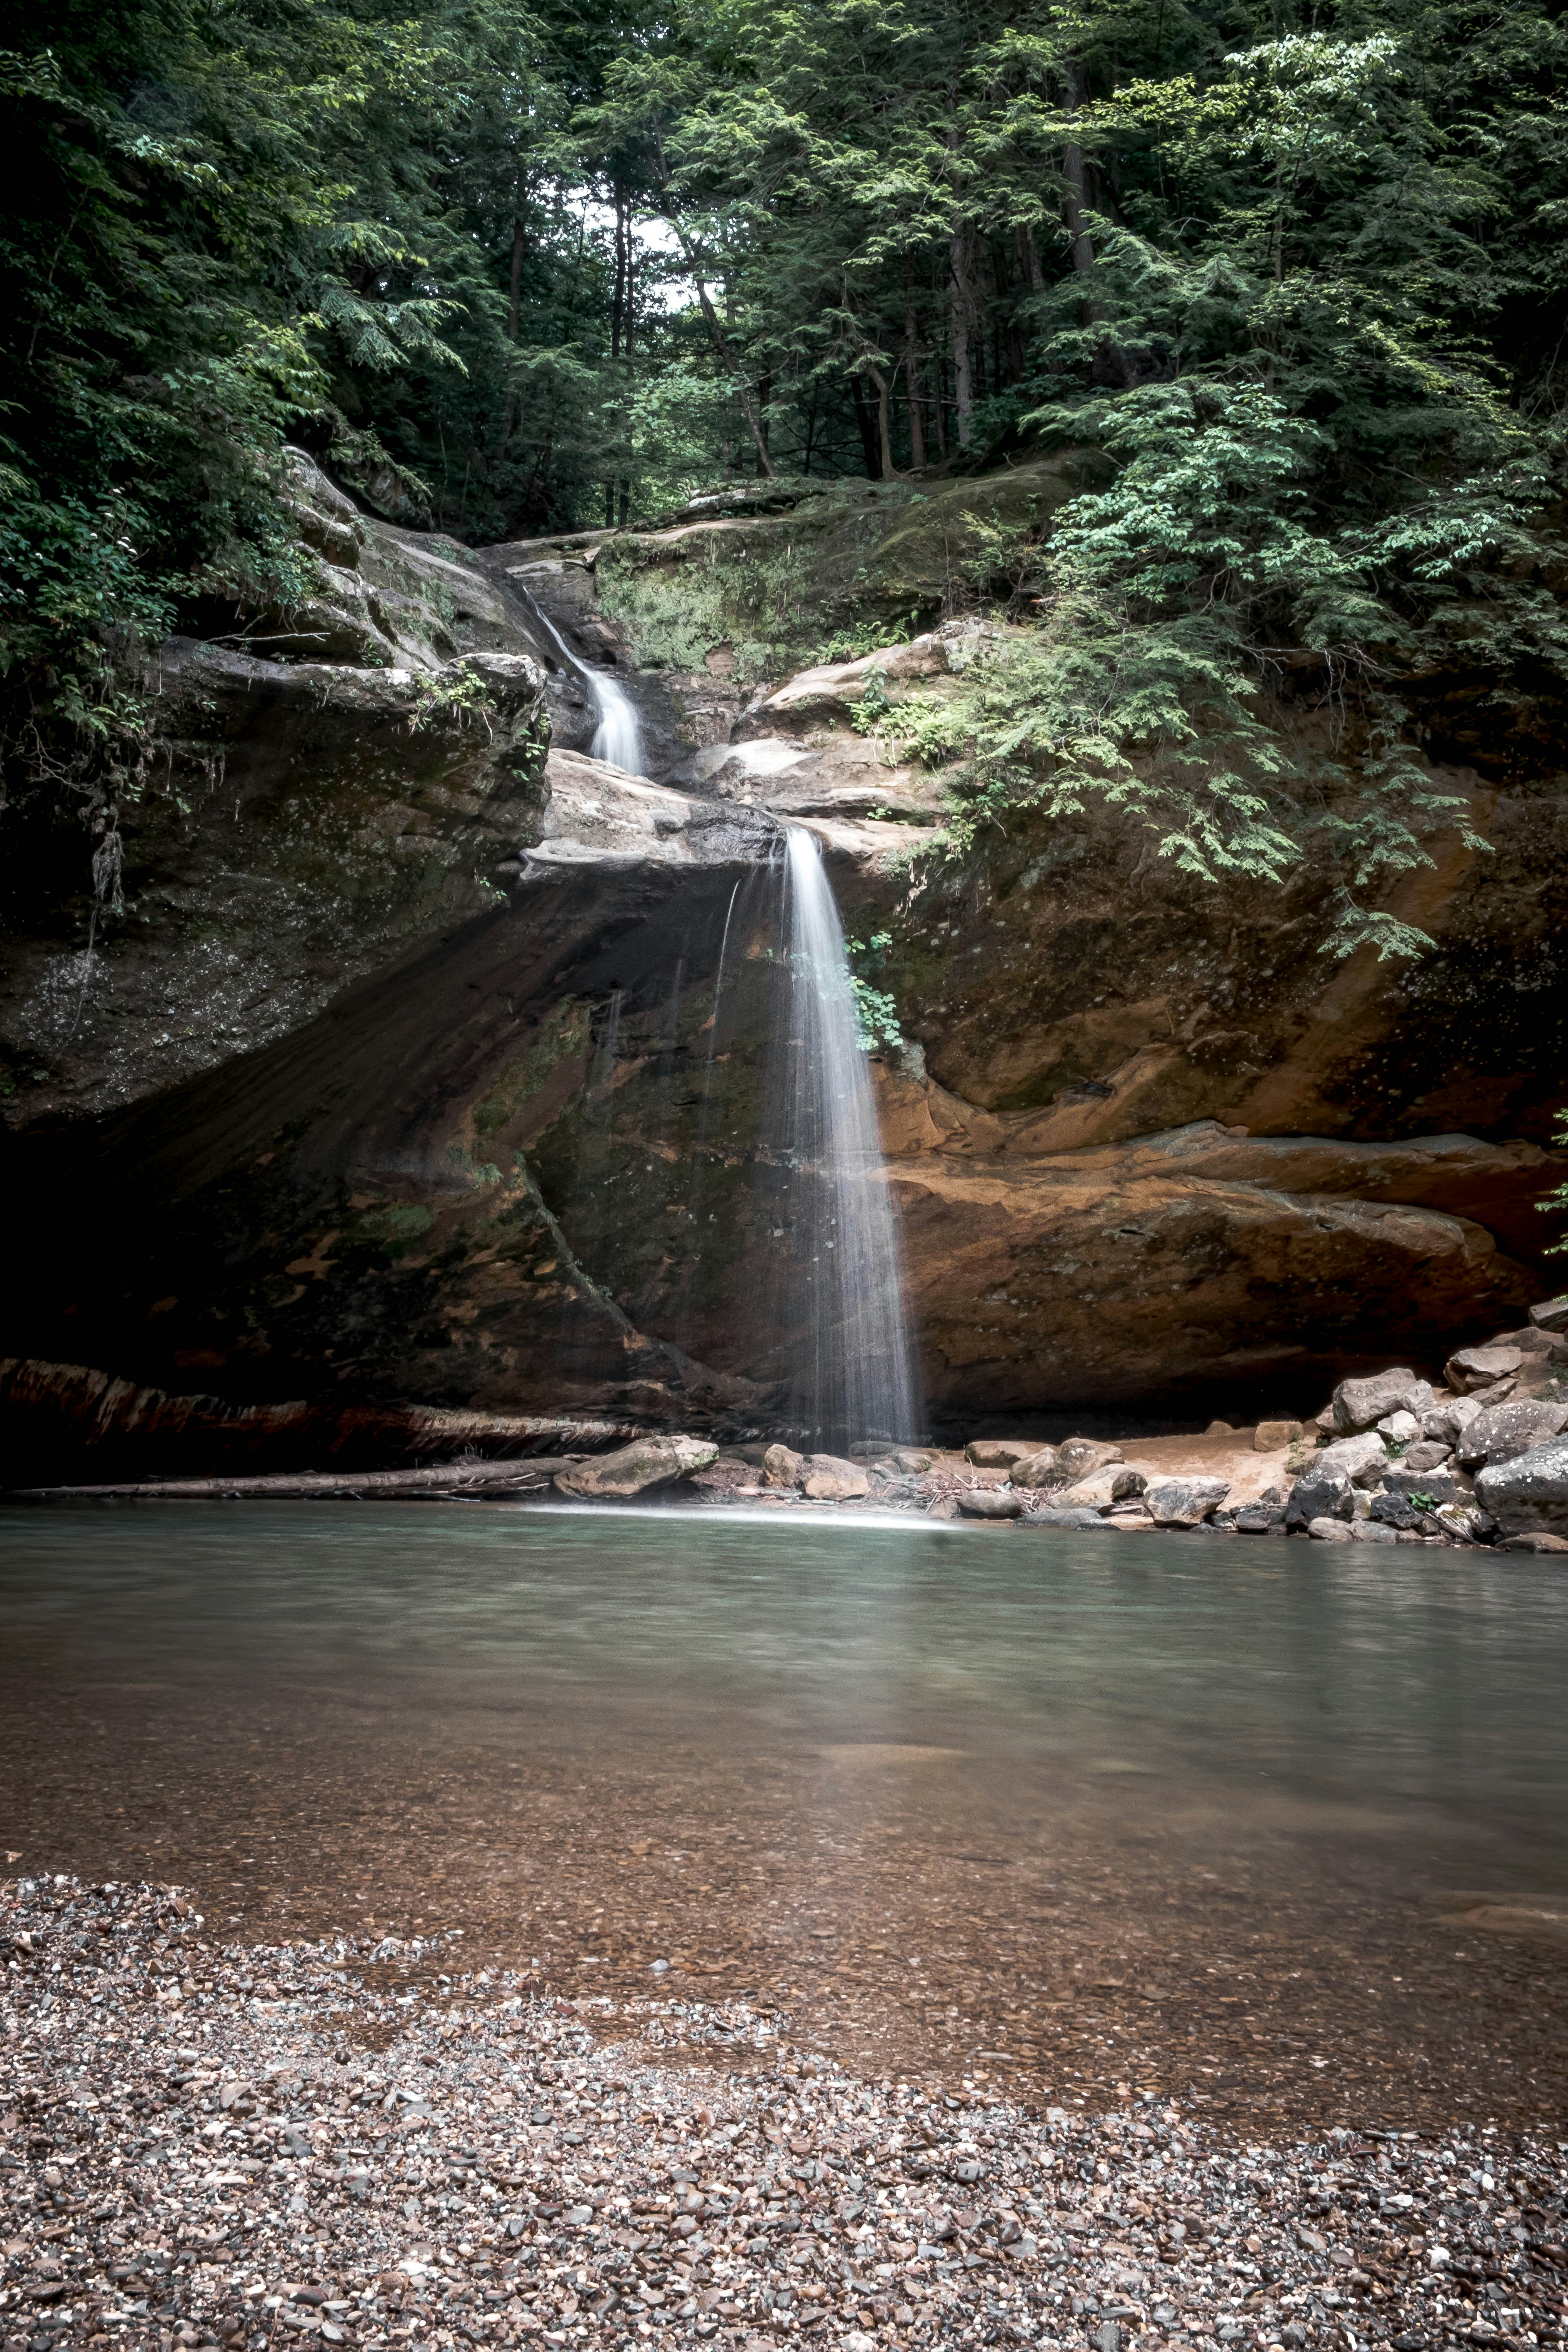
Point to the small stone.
(1372, 1532)
(1183, 1502)
(1400, 1428)
(1272, 1436)
(1080, 1457)
(827, 1478)
(1039, 1469)
(1469, 1368)
(1220, 1429)
(1258, 1518)
(1000, 1453)
(915, 1463)
(990, 1503)
(1535, 1542)
(1394, 1511)
(1429, 1455)
(1362, 1459)
(1329, 1531)
(1551, 1315)
(1064, 1521)
(1118, 1484)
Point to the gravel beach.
(245, 2146)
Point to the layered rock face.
(429, 1071)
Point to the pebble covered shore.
(249, 2146)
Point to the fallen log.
(518, 1477)
(64, 1422)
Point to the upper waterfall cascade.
(617, 739)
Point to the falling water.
(618, 736)
(859, 1378)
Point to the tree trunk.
(1075, 196)
(726, 357)
(884, 422)
(513, 316)
(912, 383)
(962, 314)
(867, 424)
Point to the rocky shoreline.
(210, 2145)
(1479, 1458)
(1391, 1458)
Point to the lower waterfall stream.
(857, 1376)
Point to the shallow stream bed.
(1276, 1829)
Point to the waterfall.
(618, 736)
(857, 1380)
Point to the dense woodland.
(1297, 274)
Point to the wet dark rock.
(1184, 1502)
(1319, 1494)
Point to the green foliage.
(460, 698)
(875, 1011)
(1556, 1202)
(1289, 281)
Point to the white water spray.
(859, 1378)
(617, 739)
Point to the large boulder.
(1469, 1368)
(1323, 1494)
(1074, 1518)
(1080, 1457)
(1042, 1468)
(1000, 1453)
(1362, 1459)
(781, 1466)
(1183, 1502)
(636, 1469)
(1500, 1432)
(1551, 1315)
(990, 1503)
(1273, 1436)
(1529, 1493)
(1359, 1405)
(827, 1478)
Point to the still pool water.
(1402, 1691)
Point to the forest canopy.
(1297, 278)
